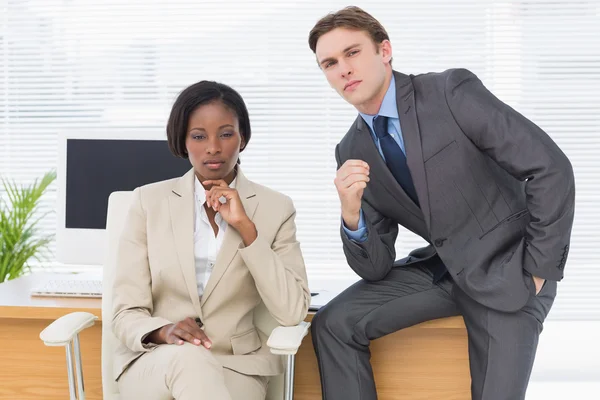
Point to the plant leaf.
(20, 239)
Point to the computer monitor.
(92, 165)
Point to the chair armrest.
(63, 330)
(286, 339)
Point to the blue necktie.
(394, 157)
(396, 162)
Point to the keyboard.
(69, 288)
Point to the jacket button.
(439, 242)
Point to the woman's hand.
(232, 211)
(186, 330)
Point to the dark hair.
(354, 18)
(196, 95)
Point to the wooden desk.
(428, 361)
(31, 370)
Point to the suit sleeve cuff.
(550, 274)
(359, 235)
(148, 327)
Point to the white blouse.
(206, 245)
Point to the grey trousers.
(502, 345)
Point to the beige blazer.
(155, 281)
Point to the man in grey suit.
(489, 191)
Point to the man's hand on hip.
(539, 283)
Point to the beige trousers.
(187, 372)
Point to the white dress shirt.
(206, 245)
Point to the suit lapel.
(232, 239)
(380, 171)
(181, 208)
(405, 101)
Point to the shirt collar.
(388, 106)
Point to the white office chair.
(65, 330)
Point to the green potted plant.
(20, 239)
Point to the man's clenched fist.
(350, 181)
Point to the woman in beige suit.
(198, 254)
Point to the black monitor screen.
(96, 168)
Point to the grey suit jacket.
(496, 193)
